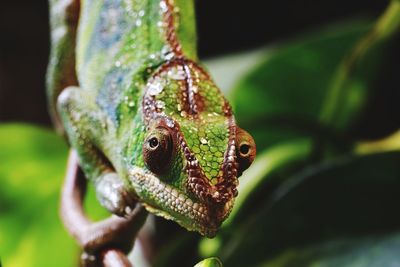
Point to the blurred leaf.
(347, 198)
(390, 143)
(370, 251)
(31, 171)
(257, 184)
(210, 262)
(287, 88)
(284, 96)
(278, 157)
(228, 70)
(354, 78)
(184, 243)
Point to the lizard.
(146, 121)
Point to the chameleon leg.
(105, 241)
(86, 127)
(64, 15)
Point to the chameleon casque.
(145, 118)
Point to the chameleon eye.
(157, 150)
(245, 149)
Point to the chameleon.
(145, 118)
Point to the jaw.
(170, 203)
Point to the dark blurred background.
(224, 26)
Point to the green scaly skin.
(139, 79)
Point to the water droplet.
(169, 56)
(203, 141)
(155, 88)
(170, 123)
(176, 74)
(163, 6)
(160, 104)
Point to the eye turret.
(157, 149)
(245, 149)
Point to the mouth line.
(167, 201)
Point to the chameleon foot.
(112, 195)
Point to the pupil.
(244, 149)
(153, 142)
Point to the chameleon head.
(193, 152)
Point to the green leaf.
(210, 262)
(279, 157)
(269, 170)
(353, 81)
(351, 197)
(370, 251)
(282, 97)
(32, 169)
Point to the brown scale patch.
(228, 186)
(193, 102)
(199, 100)
(188, 93)
(227, 109)
(169, 21)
